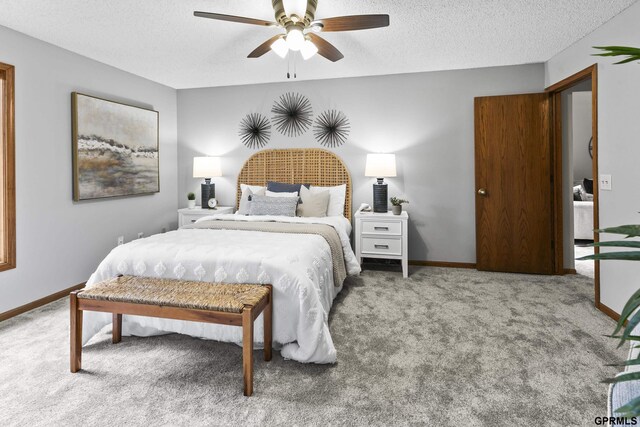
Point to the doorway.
(511, 232)
(576, 219)
(577, 172)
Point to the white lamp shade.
(380, 165)
(295, 39)
(308, 49)
(280, 47)
(206, 167)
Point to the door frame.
(556, 92)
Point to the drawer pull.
(381, 246)
(381, 228)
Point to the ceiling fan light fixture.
(295, 39)
(280, 47)
(308, 49)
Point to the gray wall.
(59, 242)
(567, 183)
(618, 130)
(426, 119)
(580, 134)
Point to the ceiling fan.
(297, 19)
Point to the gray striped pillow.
(265, 205)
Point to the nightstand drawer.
(393, 228)
(190, 219)
(188, 216)
(381, 246)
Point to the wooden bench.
(227, 304)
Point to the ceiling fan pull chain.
(295, 61)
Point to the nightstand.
(187, 216)
(383, 235)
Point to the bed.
(300, 264)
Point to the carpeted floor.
(585, 268)
(445, 347)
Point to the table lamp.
(207, 168)
(380, 166)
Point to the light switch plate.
(605, 182)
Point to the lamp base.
(380, 197)
(208, 191)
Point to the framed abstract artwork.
(115, 149)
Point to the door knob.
(482, 192)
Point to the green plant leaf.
(631, 362)
(628, 330)
(617, 50)
(626, 61)
(617, 243)
(631, 230)
(629, 338)
(630, 376)
(630, 409)
(620, 256)
(628, 308)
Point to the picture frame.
(115, 148)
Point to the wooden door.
(514, 205)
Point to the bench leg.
(116, 335)
(247, 350)
(75, 333)
(267, 316)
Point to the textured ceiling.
(162, 40)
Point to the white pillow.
(277, 194)
(254, 188)
(313, 204)
(337, 196)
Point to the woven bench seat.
(229, 304)
(230, 298)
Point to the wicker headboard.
(296, 166)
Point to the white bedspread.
(298, 265)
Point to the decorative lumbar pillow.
(313, 204)
(247, 197)
(283, 187)
(277, 194)
(337, 196)
(281, 206)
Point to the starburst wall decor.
(331, 128)
(292, 114)
(255, 130)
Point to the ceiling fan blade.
(354, 22)
(264, 47)
(232, 18)
(325, 48)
